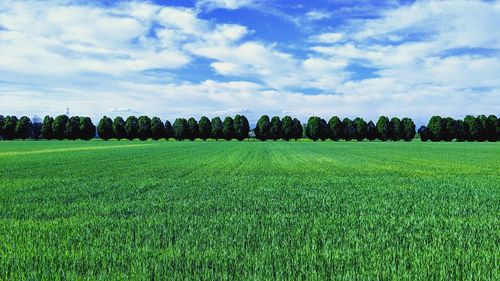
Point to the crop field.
(75, 210)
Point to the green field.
(249, 210)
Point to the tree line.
(479, 128)
(471, 128)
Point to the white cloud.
(225, 4)
(317, 15)
(328, 38)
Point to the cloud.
(225, 4)
(328, 38)
(318, 15)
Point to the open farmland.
(249, 210)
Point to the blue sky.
(172, 58)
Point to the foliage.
(143, 128)
(157, 128)
(228, 128)
(217, 128)
(131, 127)
(241, 127)
(119, 128)
(105, 128)
(262, 129)
(59, 127)
(205, 128)
(181, 129)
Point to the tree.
(262, 129)
(193, 128)
(349, 129)
(313, 129)
(9, 127)
(87, 128)
(144, 128)
(383, 128)
(491, 126)
(36, 128)
(2, 120)
(360, 127)
(325, 130)
(241, 127)
(371, 131)
(436, 128)
(287, 127)
(497, 129)
(205, 128)
(449, 129)
(217, 128)
(47, 132)
(157, 128)
(228, 128)
(72, 130)
(131, 127)
(407, 129)
(105, 128)
(23, 128)
(336, 128)
(459, 130)
(483, 125)
(181, 129)
(423, 133)
(395, 129)
(169, 130)
(472, 130)
(297, 129)
(119, 128)
(59, 127)
(275, 128)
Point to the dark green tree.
(131, 127)
(298, 129)
(349, 129)
(2, 120)
(169, 130)
(87, 128)
(325, 130)
(23, 128)
(181, 129)
(396, 130)
(407, 129)
(47, 132)
(383, 128)
(275, 128)
(336, 128)
(144, 127)
(119, 128)
(9, 127)
(228, 128)
(371, 131)
(449, 129)
(205, 128)
(459, 130)
(313, 129)
(72, 131)
(423, 133)
(436, 128)
(262, 129)
(472, 130)
(360, 126)
(105, 128)
(241, 127)
(193, 129)
(217, 128)
(287, 126)
(36, 128)
(59, 127)
(491, 128)
(157, 129)
(483, 127)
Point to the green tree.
(131, 127)
(241, 127)
(144, 127)
(298, 129)
(360, 127)
(9, 127)
(336, 128)
(325, 130)
(119, 128)
(371, 131)
(193, 129)
(228, 128)
(181, 129)
(472, 130)
(383, 128)
(449, 129)
(36, 128)
(205, 128)
(59, 127)
(407, 129)
(459, 130)
(349, 129)
(169, 130)
(47, 132)
(262, 129)
(483, 127)
(287, 126)
(217, 128)
(157, 129)
(396, 130)
(275, 128)
(436, 128)
(72, 131)
(23, 128)
(2, 120)
(423, 133)
(313, 129)
(87, 128)
(491, 126)
(105, 128)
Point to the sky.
(181, 58)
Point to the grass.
(249, 210)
